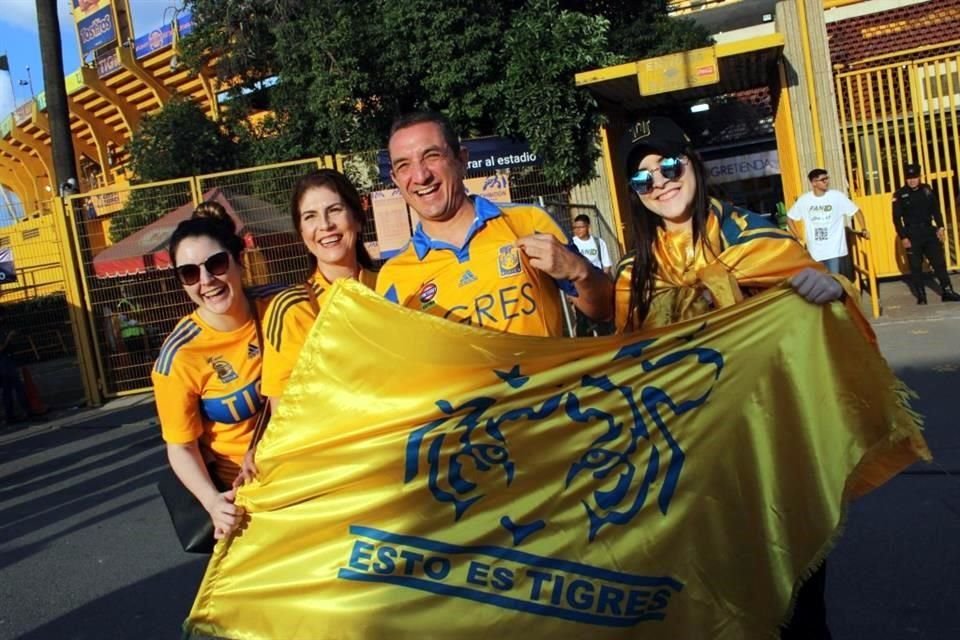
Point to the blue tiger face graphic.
(617, 460)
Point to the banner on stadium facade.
(425, 478)
(23, 112)
(96, 22)
(164, 36)
(107, 61)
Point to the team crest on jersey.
(467, 278)
(252, 351)
(223, 369)
(508, 260)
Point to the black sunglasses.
(216, 265)
(670, 169)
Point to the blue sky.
(19, 39)
(21, 44)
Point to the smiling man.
(497, 266)
(820, 216)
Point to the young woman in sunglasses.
(207, 377)
(327, 213)
(694, 253)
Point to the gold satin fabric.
(693, 280)
(426, 479)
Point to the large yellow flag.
(425, 479)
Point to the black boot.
(949, 295)
(921, 292)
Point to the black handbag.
(190, 520)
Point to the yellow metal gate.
(893, 114)
(130, 299)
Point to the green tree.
(344, 70)
(175, 142)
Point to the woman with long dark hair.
(693, 253)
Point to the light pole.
(28, 83)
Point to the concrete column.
(825, 99)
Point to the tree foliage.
(175, 142)
(178, 141)
(344, 70)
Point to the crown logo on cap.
(641, 130)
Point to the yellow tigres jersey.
(287, 323)
(486, 282)
(207, 387)
(744, 253)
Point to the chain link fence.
(132, 299)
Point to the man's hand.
(816, 287)
(905, 243)
(547, 254)
(941, 234)
(864, 234)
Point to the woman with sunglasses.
(694, 253)
(206, 379)
(327, 213)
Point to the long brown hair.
(643, 231)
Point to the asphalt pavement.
(87, 551)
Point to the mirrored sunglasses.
(216, 265)
(642, 180)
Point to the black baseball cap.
(911, 170)
(655, 134)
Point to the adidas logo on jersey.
(467, 278)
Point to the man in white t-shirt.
(820, 217)
(591, 247)
(595, 250)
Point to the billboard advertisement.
(162, 37)
(107, 61)
(96, 24)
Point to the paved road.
(86, 551)
(896, 573)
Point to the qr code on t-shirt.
(820, 234)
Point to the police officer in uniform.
(919, 224)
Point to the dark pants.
(926, 245)
(12, 386)
(809, 621)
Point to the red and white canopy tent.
(259, 223)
